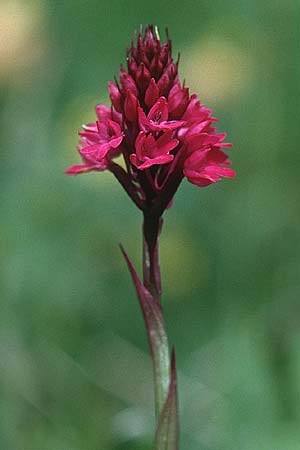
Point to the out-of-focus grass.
(74, 366)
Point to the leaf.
(167, 433)
(153, 316)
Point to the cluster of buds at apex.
(163, 133)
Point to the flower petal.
(98, 151)
(83, 168)
(152, 93)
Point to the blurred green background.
(74, 367)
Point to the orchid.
(164, 134)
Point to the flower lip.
(84, 168)
(150, 151)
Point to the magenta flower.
(99, 142)
(204, 167)
(150, 151)
(162, 132)
(157, 118)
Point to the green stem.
(158, 342)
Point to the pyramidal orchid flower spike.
(164, 135)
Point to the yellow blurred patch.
(217, 69)
(20, 43)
